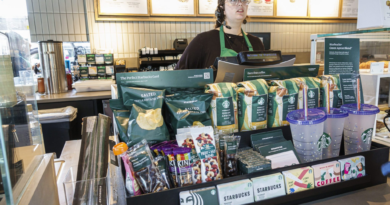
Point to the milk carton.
(269, 186)
(298, 180)
(352, 168)
(327, 173)
(239, 192)
(202, 196)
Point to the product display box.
(239, 192)
(281, 154)
(298, 180)
(352, 168)
(206, 195)
(327, 173)
(269, 186)
(266, 138)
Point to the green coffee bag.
(335, 91)
(252, 105)
(313, 91)
(122, 123)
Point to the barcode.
(206, 75)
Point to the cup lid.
(334, 112)
(364, 109)
(314, 116)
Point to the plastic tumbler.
(358, 127)
(306, 132)
(333, 132)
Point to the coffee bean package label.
(146, 172)
(327, 173)
(282, 99)
(313, 92)
(298, 180)
(252, 105)
(352, 168)
(235, 193)
(185, 140)
(335, 97)
(223, 107)
(267, 187)
(202, 196)
(207, 152)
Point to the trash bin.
(58, 126)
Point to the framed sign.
(324, 9)
(173, 7)
(123, 7)
(207, 7)
(261, 8)
(292, 8)
(349, 9)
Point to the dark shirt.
(206, 46)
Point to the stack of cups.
(358, 127)
(306, 133)
(333, 132)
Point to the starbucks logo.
(324, 141)
(213, 192)
(291, 100)
(311, 94)
(367, 135)
(261, 101)
(226, 104)
(340, 96)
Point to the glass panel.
(371, 31)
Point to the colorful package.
(235, 193)
(185, 140)
(252, 105)
(313, 92)
(173, 169)
(183, 159)
(352, 168)
(267, 187)
(162, 163)
(202, 196)
(327, 173)
(298, 180)
(132, 186)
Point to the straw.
(305, 100)
(358, 93)
(328, 95)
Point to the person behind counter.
(226, 40)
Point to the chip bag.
(122, 123)
(189, 110)
(313, 92)
(335, 91)
(252, 105)
(282, 99)
(223, 107)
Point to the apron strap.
(222, 39)
(248, 43)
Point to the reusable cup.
(333, 132)
(358, 127)
(306, 132)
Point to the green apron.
(225, 52)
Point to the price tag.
(377, 68)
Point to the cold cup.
(333, 132)
(306, 133)
(358, 127)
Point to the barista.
(226, 40)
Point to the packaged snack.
(162, 164)
(146, 121)
(230, 156)
(252, 105)
(331, 82)
(189, 110)
(184, 164)
(145, 171)
(352, 168)
(223, 107)
(282, 99)
(234, 193)
(122, 123)
(185, 140)
(313, 92)
(298, 180)
(202, 196)
(327, 173)
(205, 147)
(220, 143)
(173, 169)
(267, 187)
(132, 186)
(250, 161)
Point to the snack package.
(185, 140)
(189, 110)
(220, 143)
(313, 91)
(146, 121)
(205, 147)
(230, 155)
(352, 168)
(122, 123)
(298, 180)
(132, 186)
(146, 173)
(327, 173)
(282, 99)
(223, 107)
(184, 164)
(173, 169)
(269, 186)
(336, 98)
(162, 163)
(252, 105)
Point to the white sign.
(123, 6)
(377, 68)
(261, 8)
(296, 8)
(321, 8)
(350, 9)
(173, 7)
(207, 6)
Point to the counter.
(72, 96)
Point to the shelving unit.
(162, 55)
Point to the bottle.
(69, 80)
(35, 126)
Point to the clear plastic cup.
(333, 127)
(358, 127)
(306, 132)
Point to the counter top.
(72, 96)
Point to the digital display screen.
(264, 57)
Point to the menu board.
(261, 8)
(207, 6)
(291, 8)
(123, 7)
(321, 8)
(173, 7)
(350, 9)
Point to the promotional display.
(352, 168)
(298, 180)
(235, 193)
(203, 196)
(327, 173)
(281, 154)
(267, 187)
